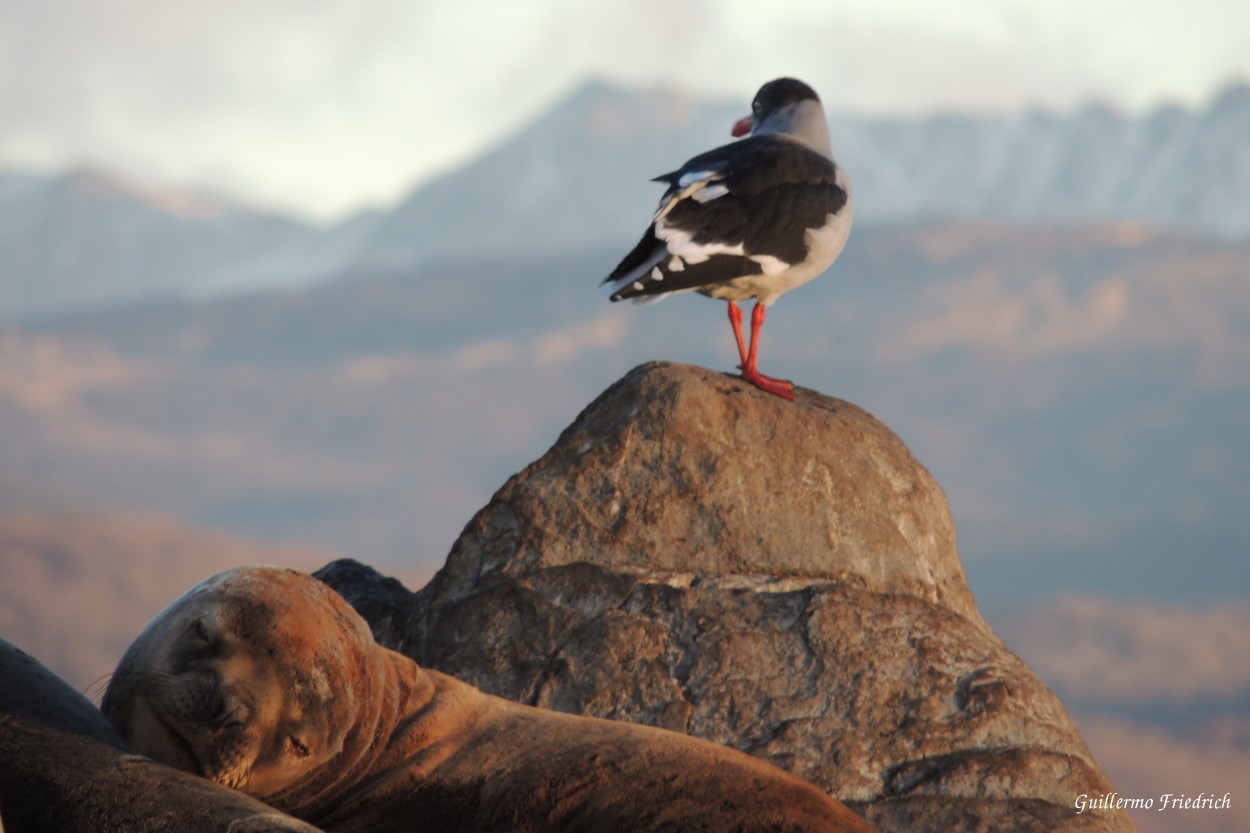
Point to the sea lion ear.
(198, 631)
(200, 637)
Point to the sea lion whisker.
(128, 675)
(96, 688)
(119, 681)
(234, 779)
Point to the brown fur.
(267, 680)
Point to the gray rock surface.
(779, 577)
(64, 769)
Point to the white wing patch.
(701, 186)
(709, 193)
(771, 265)
(697, 176)
(680, 244)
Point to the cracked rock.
(778, 577)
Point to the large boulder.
(781, 577)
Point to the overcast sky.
(322, 106)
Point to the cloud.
(985, 314)
(551, 349)
(1135, 652)
(321, 105)
(1038, 314)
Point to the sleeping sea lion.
(266, 680)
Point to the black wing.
(754, 197)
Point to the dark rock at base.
(778, 577)
(381, 600)
(64, 769)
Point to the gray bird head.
(790, 108)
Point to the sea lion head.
(256, 679)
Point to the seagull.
(751, 219)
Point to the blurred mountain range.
(576, 180)
(1076, 374)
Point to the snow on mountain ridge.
(89, 238)
(577, 179)
(176, 202)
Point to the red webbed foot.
(778, 387)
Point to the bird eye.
(756, 106)
(296, 747)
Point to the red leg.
(779, 387)
(735, 321)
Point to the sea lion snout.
(181, 697)
(190, 721)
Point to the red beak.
(742, 126)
